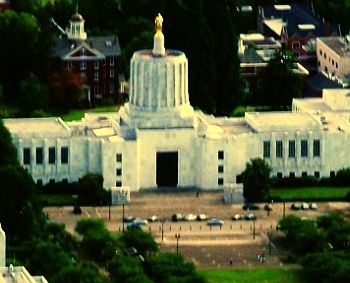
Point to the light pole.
(163, 229)
(109, 204)
(284, 208)
(254, 229)
(123, 216)
(270, 236)
(177, 236)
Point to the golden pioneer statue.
(158, 22)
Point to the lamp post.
(284, 208)
(177, 236)
(109, 204)
(270, 236)
(163, 220)
(254, 229)
(123, 216)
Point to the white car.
(191, 217)
(304, 206)
(139, 221)
(202, 217)
(313, 205)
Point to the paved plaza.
(206, 247)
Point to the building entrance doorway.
(167, 169)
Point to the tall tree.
(256, 180)
(8, 152)
(279, 83)
(19, 35)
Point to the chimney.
(2, 248)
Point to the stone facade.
(158, 140)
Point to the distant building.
(296, 26)
(17, 274)
(4, 5)
(95, 58)
(255, 51)
(333, 54)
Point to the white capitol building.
(158, 140)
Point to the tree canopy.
(256, 180)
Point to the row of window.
(304, 148)
(304, 174)
(39, 155)
(329, 59)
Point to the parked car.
(190, 217)
(177, 217)
(250, 206)
(129, 218)
(153, 218)
(140, 221)
(268, 207)
(237, 217)
(313, 206)
(215, 222)
(202, 217)
(295, 206)
(250, 216)
(132, 225)
(304, 206)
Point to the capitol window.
(303, 148)
(317, 148)
(291, 149)
(220, 181)
(39, 155)
(52, 155)
(118, 157)
(64, 155)
(26, 155)
(279, 149)
(220, 154)
(266, 149)
(220, 169)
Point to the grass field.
(317, 193)
(77, 114)
(57, 199)
(270, 275)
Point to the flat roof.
(282, 121)
(39, 126)
(337, 44)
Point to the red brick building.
(95, 58)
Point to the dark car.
(250, 206)
(134, 225)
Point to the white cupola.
(75, 31)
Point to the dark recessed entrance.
(167, 169)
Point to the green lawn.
(268, 275)
(318, 193)
(77, 114)
(57, 199)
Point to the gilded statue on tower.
(158, 22)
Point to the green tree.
(256, 180)
(279, 83)
(127, 270)
(169, 267)
(19, 35)
(91, 190)
(327, 267)
(302, 235)
(49, 259)
(86, 272)
(20, 213)
(142, 241)
(33, 95)
(97, 244)
(8, 153)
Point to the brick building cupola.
(76, 31)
